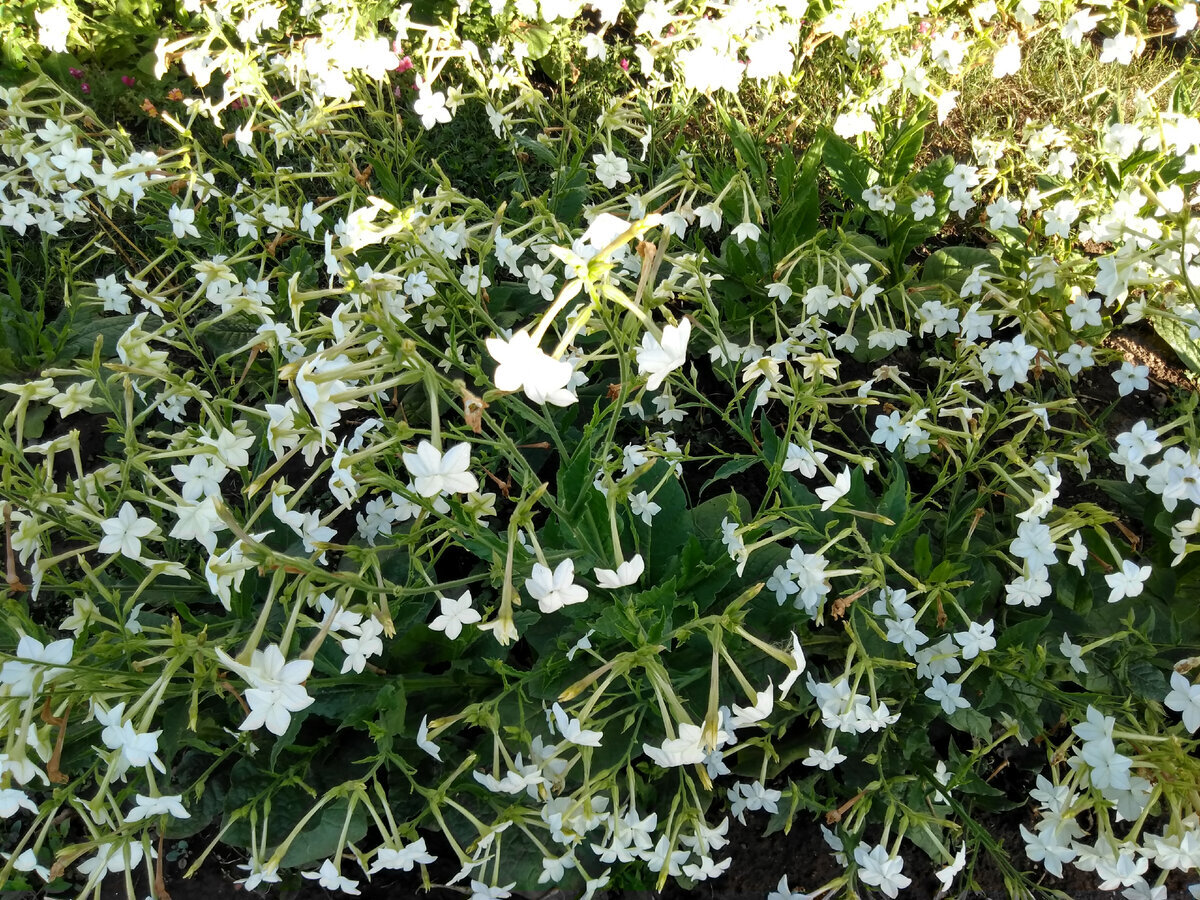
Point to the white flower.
(657, 359)
(834, 492)
(524, 365)
(571, 730)
(332, 880)
(783, 892)
(32, 658)
(1073, 653)
(770, 55)
(946, 875)
(803, 459)
(259, 872)
(1128, 582)
(876, 868)
(277, 688)
(554, 590)
(123, 533)
(427, 745)
(707, 69)
(454, 615)
(850, 125)
(685, 750)
(1184, 698)
(431, 107)
(923, 207)
(12, 801)
(403, 858)
(611, 169)
(167, 805)
(948, 694)
(764, 703)
(976, 639)
(709, 216)
(824, 760)
(481, 891)
(435, 473)
(747, 231)
(626, 573)
(1130, 378)
(1121, 48)
(1007, 61)
(1002, 213)
(798, 664)
(183, 221)
(641, 504)
(53, 28)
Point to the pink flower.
(128, 80)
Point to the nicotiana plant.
(480, 438)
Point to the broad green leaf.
(1178, 335)
(951, 265)
(1024, 634)
(847, 168)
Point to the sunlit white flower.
(277, 688)
(1130, 378)
(1007, 60)
(53, 28)
(659, 358)
(522, 364)
(431, 106)
(611, 169)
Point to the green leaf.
(922, 556)
(902, 150)
(569, 198)
(86, 329)
(729, 467)
(660, 544)
(319, 839)
(796, 219)
(707, 517)
(951, 265)
(1146, 680)
(654, 609)
(846, 166)
(1131, 498)
(1178, 335)
(539, 39)
(1023, 634)
(974, 723)
(747, 147)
